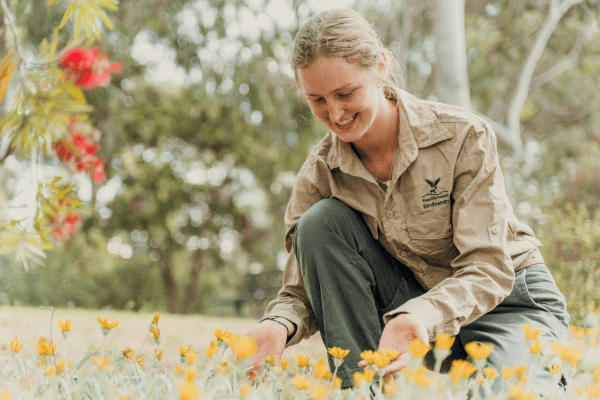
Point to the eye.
(316, 100)
(347, 94)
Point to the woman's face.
(343, 96)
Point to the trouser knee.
(320, 221)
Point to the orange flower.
(479, 351)
(418, 349)
(531, 333)
(337, 352)
(301, 360)
(444, 341)
(155, 319)
(536, 347)
(300, 382)
(366, 376)
(107, 326)
(15, 345)
(490, 373)
(461, 369)
(320, 369)
(567, 353)
(65, 326)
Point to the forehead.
(329, 73)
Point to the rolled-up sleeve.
(291, 301)
(482, 272)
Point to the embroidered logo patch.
(433, 198)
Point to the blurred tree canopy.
(203, 134)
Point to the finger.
(363, 364)
(394, 367)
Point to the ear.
(382, 64)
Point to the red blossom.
(64, 221)
(88, 68)
(76, 150)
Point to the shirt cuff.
(288, 324)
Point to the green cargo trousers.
(352, 281)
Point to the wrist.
(281, 324)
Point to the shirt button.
(430, 281)
(404, 254)
(494, 230)
(390, 214)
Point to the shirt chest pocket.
(431, 234)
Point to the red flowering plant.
(87, 67)
(77, 150)
(49, 112)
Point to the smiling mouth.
(347, 122)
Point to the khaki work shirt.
(445, 215)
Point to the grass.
(86, 337)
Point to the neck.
(383, 135)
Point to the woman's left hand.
(397, 335)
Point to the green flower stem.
(144, 342)
(333, 379)
(103, 347)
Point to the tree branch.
(561, 66)
(557, 10)
(503, 134)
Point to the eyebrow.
(335, 90)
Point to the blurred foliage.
(572, 251)
(200, 174)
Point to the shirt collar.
(419, 127)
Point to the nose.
(336, 111)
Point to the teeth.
(348, 121)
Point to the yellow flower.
(338, 353)
(536, 347)
(219, 334)
(444, 341)
(389, 354)
(211, 350)
(555, 369)
(65, 326)
(366, 376)
(593, 390)
(596, 374)
(223, 368)
(156, 333)
(490, 373)
(479, 351)
(178, 370)
(572, 328)
(519, 393)
(418, 349)
(284, 364)
(508, 373)
(368, 356)
(155, 319)
(389, 386)
(5, 395)
(158, 355)
(319, 390)
(570, 354)
(531, 333)
(15, 345)
(577, 390)
(140, 362)
(127, 353)
(380, 360)
(103, 364)
(183, 351)
(320, 369)
(461, 369)
(60, 365)
(245, 389)
(271, 360)
(191, 358)
(243, 346)
(190, 374)
(107, 325)
(301, 360)
(417, 376)
(520, 371)
(44, 347)
(300, 382)
(337, 383)
(49, 372)
(188, 391)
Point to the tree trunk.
(451, 79)
(168, 279)
(192, 287)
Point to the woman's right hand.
(270, 337)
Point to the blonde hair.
(345, 33)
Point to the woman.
(399, 222)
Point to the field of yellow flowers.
(147, 368)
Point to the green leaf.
(68, 14)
